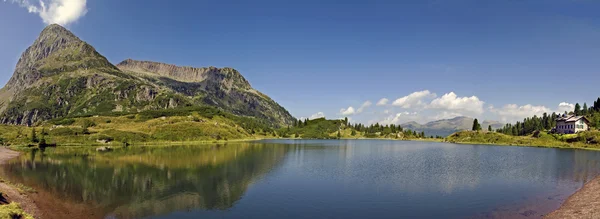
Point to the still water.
(309, 179)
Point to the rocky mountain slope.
(60, 75)
(446, 127)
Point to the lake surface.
(310, 179)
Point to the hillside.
(587, 139)
(62, 76)
(446, 127)
(187, 124)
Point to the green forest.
(322, 128)
(547, 121)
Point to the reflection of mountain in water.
(139, 182)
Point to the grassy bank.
(13, 211)
(583, 140)
(105, 130)
(176, 128)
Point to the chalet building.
(567, 124)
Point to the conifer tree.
(33, 136)
(489, 128)
(476, 125)
(584, 111)
(577, 109)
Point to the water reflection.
(312, 179)
(139, 182)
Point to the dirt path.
(13, 194)
(584, 204)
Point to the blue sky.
(432, 59)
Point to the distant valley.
(446, 127)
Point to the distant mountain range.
(63, 76)
(446, 127)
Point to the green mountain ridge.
(60, 75)
(446, 127)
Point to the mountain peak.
(61, 75)
(55, 50)
(55, 33)
(54, 28)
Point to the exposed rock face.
(223, 87)
(225, 76)
(60, 75)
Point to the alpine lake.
(307, 179)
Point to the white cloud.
(452, 102)
(347, 112)
(562, 107)
(317, 115)
(413, 100)
(514, 112)
(399, 118)
(61, 12)
(382, 102)
(351, 111)
(365, 105)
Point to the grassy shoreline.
(542, 140)
(557, 144)
(524, 145)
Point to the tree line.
(548, 121)
(369, 131)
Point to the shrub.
(536, 134)
(105, 138)
(13, 210)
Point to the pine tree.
(476, 125)
(33, 136)
(346, 121)
(577, 109)
(489, 128)
(584, 111)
